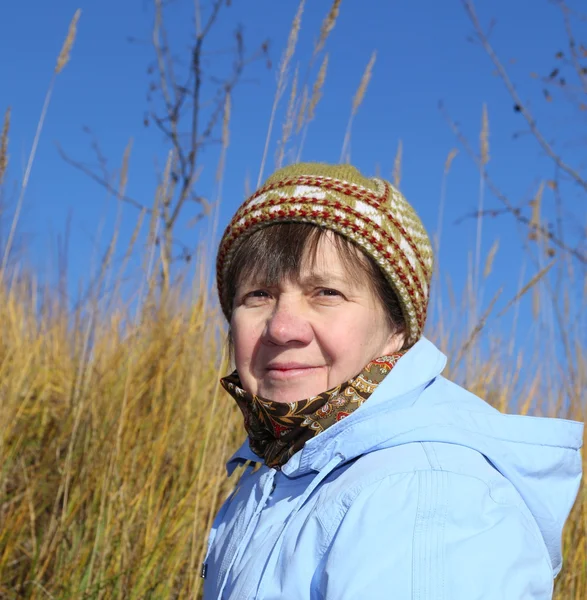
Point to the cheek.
(351, 341)
(341, 339)
(245, 337)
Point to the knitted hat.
(369, 212)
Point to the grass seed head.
(4, 145)
(65, 53)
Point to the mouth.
(290, 370)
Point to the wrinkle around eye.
(254, 297)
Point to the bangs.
(278, 252)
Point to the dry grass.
(288, 123)
(65, 53)
(327, 27)
(62, 60)
(113, 457)
(397, 165)
(317, 88)
(4, 145)
(116, 434)
(345, 155)
(288, 53)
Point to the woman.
(371, 476)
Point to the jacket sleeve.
(434, 535)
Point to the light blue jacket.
(425, 492)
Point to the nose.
(287, 324)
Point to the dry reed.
(307, 116)
(300, 119)
(65, 53)
(4, 145)
(531, 284)
(307, 104)
(327, 27)
(476, 286)
(448, 162)
(484, 136)
(62, 60)
(490, 258)
(345, 155)
(288, 123)
(317, 89)
(289, 51)
(397, 166)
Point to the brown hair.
(275, 253)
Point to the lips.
(288, 366)
(290, 370)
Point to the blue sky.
(423, 58)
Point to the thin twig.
(496, 191)
(519, 104)
(102, 181)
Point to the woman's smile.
(291, 370)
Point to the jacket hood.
(539, 456)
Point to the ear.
(394, 343)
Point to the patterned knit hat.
(369, 212)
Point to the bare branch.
(520, 106)
(575, 59)
(186, 102)
(101, 181)
(499, 194)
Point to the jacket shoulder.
(388, 465)
(443, 391)
(408, 458)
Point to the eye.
(329, 293)
(255, 296)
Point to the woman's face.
(301, 338)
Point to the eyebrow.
(324, 280)
(312, 280)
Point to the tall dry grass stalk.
(282, 80)
(397, 165)
(327, 27)
(301, 116)
(490, 258)
(4, 145)
(220, 173)
(62, 60)
(317, 89)
(288, 123)
(307, 104)
(345, 155)
(476, 289)
(307, 117)
(65, 53)
(437, 304)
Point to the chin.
(290, 395)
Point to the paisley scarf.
(277, 430)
